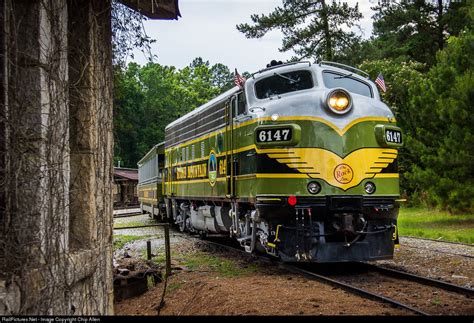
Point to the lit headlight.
(339, 101)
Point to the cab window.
(332, 80)
(283, 83)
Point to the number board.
(393, 136)
(274, 134)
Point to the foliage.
(399, 77)
(128, 33)
(442, 106)
(148, 98)
(416, 30)
(313, 29)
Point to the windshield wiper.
(287, 78)
(343, 76)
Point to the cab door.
(229, 147)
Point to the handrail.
(280, 65)
(356, 70)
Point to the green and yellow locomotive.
(300, 162)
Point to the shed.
(125, 187)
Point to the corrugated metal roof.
(155, 9)
(127, 173)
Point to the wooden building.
(125, 187)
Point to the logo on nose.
(343, 173)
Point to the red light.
(292, 200)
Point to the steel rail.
(419, 279)
(126, 215)
(359, 291)
(352, 289)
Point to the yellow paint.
(340, 172)
(281, 176)
(339, 131)
(276, 234)
(218, 179)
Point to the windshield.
(332, 80)
(283, 83)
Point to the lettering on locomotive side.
(191, 171)
(222, 167)
(181, 172)
(197, 171)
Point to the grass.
(133, 224)
(121, 240)
(223, 266)
(432, 224)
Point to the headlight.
(339, 101)
(314, 187)
(369, 188)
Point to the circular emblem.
(212, 168)
(343, 173)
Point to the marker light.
(292, 200)
(339, 101)
(314, 187)
(369, 188)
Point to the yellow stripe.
(147, 199)
(268, 199)
(386, 175)
(235, 151)
(281, 176)
(246, 176)
(339, 131)
(195, 181)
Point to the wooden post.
(148, 250)
(167, 249)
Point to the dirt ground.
(210, 282)
(265, 290)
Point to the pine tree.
(417, 29)
(312, 29)
(443, 109)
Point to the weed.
(223, 266)
(121, 240)
(436, 301)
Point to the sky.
(207, 29)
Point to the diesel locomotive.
(300, 162)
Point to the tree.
(399, 77)
(443, 104)
(417, 29)
(148, 98)
(313, 29)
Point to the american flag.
(238, 79)
(380, 82)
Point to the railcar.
(300, 162)
(150, 180)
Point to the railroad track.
(380, 275)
